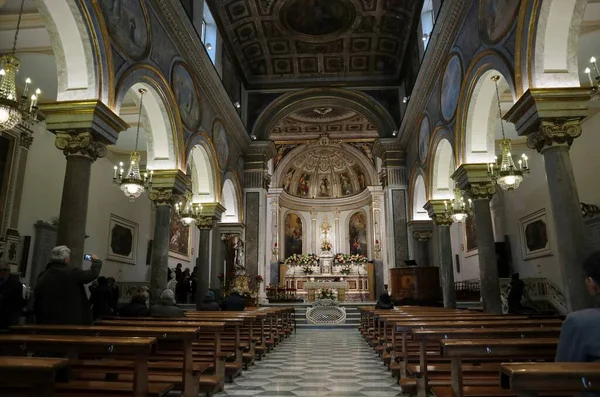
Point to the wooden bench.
(73, 346)
(188, 380)
(531, 379)
(37, 373)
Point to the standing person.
(183, 287)
(178, 272)
(515, 294)
(234, 302)
(578, 335)
(59, 294)
(193, 283)
(100, 299)
(115, 294)
(166, 306)
(11, 298)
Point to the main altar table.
(312, 286)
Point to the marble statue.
(172, 283)
(239, 262)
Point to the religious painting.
(360, 176)
(318, 17)
(470, 233)
(127, 23)
(282, 151)
(324, 186)
(357, 230)
(495, 18)
(187, 96)
(303, 185)
(424, 134)
(535, 240)
(450, 90)
(221, 144)
(345, 184)
(366, 149)
(293, 235)
(122, 240)
(287, 179)
(179, 239)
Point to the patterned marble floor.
(316, 363)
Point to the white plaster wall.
(469, 261)
(42, 192)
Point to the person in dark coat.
(166, 306)
(59, 294)
(183, 287)
(515, 294)
(384, 302)
(209, 303)
(136, 308)
(178, 272)
(100, 299)
(194, 283)
(234, 301)
(11, 298)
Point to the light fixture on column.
(458, 210)
(133, 183)
(594, 85)
(506, 174)
(15, 109)
(188, 212)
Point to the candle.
(445, 204)
(520, 164)
(32, 103)
(593, 62)
(115, 175)
(27, 82)
(2, 73)
(589, 73)
(470, 203)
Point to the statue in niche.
(239, 262)
(287, 180)
(346, 184)
(324, 187)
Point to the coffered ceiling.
(299, 42)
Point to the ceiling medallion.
(323, 111)
(318, 17)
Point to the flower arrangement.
(292, 259)
(300, 260)
(341, 259)
(326, 293)
(307, 269)
(325, 246)
(346, 269)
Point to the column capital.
(80, 143)
(256, 173)
(393, 162)
(550, 116)
(422, 235)
(474, 181)
(93, 117)
(231, 229)
(209, 216)
(167, 184)
(438, 213)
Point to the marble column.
(166, 186)
(476, 184)
(422, 233)
(551, 120)
(206, 221)
(83, 129)
(442, 221)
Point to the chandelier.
(133, 183)
(506, 174)
(595, 85)
(458, 211)
(189, 212)
(15, 109)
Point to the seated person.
(234, 302)
(578, 338)
(136, 308)
(515, 294)
(11, 298)
(209, 303)
(384, 302)
(166, 306)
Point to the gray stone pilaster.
(210, 215)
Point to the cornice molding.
(326, 204)
(448, 24)
(184, 37)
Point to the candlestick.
(115, 175)
(32, 103)
(27, 82)
(589, 73)
(593, 62)
(446, 205)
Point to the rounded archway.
(443, 166)
(419, 199)
(230, 198)
(204, 175)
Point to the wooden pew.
(425, 336)
(459, 349)
(73, 346)
(37, 373)
(189, 378)
(529, 379)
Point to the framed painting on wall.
(470, 236)
(122, 240)
(535, 239)
(179, 240)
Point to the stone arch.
(442, 167)
(554, 52)
(201, 162)
(231, 197)
(80, 60)
(478, 113)
(419, 199)
(161, 113)
(316, 97)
